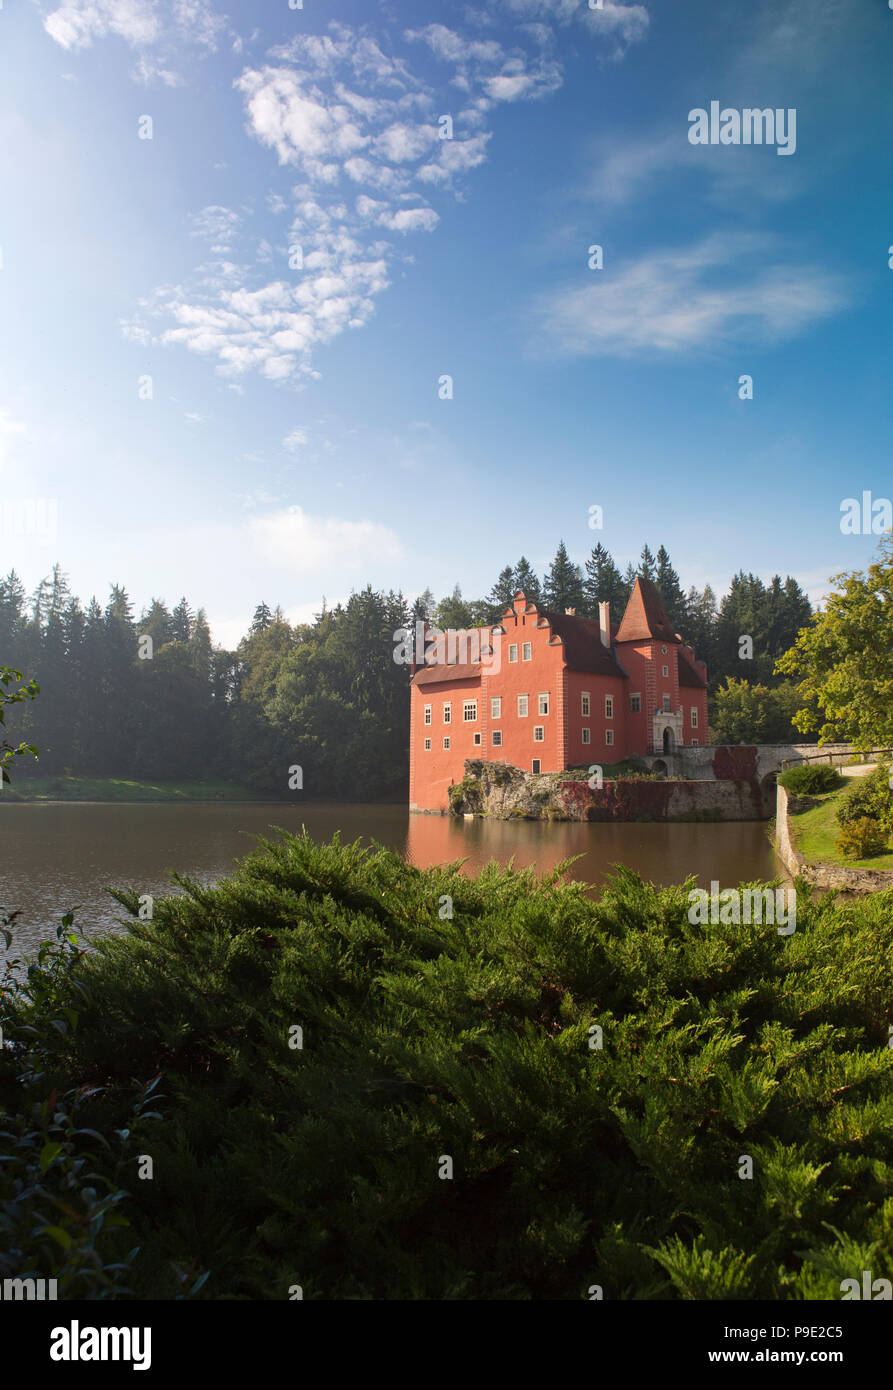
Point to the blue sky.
(295, 444)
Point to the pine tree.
(563, 588)
(181, 619)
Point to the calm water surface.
(55, 857)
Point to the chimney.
(604, 622)
(571, 612)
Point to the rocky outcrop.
(506, 793)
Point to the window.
(513, 652)
(694, 743)
(522, 706)
(469, 711)
(527, 652)
(665, 671)
(447, 713)
(635, 704)
(497, 738)
(535, 765)
(609, 736)
(427, 745)
(543, 703)
(663, 651)
(609, 706)
(427, 714)
(666, 704)
(585, 735)
(477, 740)
(496, 707)
(694, 717)
(584, 704)
(446, 743)
(538, 735)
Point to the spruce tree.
(526, 581)
(603, 584)
(648, 565)
(563, 587)
(670, 590)
(501, 595)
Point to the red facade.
(551, 691)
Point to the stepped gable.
(583, 646)
(690, 675)
(645, 618)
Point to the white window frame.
(427, 745)
(539, 733)
(543, 702)
(526, 651)
(609, 706)
(664, 671)
(427, 714)
(466, 706)
(665, 705)
(536, 765)
(585, 704)
(497, 738)
(495, 706)
(526, 699)
(446, 743)
(637, 707)
(513, 652)
(609, 737)
(447, 712)
(694, 716)
(587, 737)
(478, 738)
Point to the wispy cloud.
(294, 540)
(721, 290)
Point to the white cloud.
(707, 295)
(217, 225)
(293, 540)
(295, 440)
(166, 27)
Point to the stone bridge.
(756, 763)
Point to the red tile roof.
(439, 674)
(583, 647)
(690, 675)
(645, 616)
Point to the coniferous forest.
(328, 694)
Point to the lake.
(57, 856)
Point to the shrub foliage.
(428, 1035)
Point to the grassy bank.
(815, 835)
(126, 789)
(374, 1081)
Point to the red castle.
(545, 691)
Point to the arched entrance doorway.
(669, 741)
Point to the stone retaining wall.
(849, 880)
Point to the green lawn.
(815, 834)
(125, 789)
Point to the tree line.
(328, 695)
